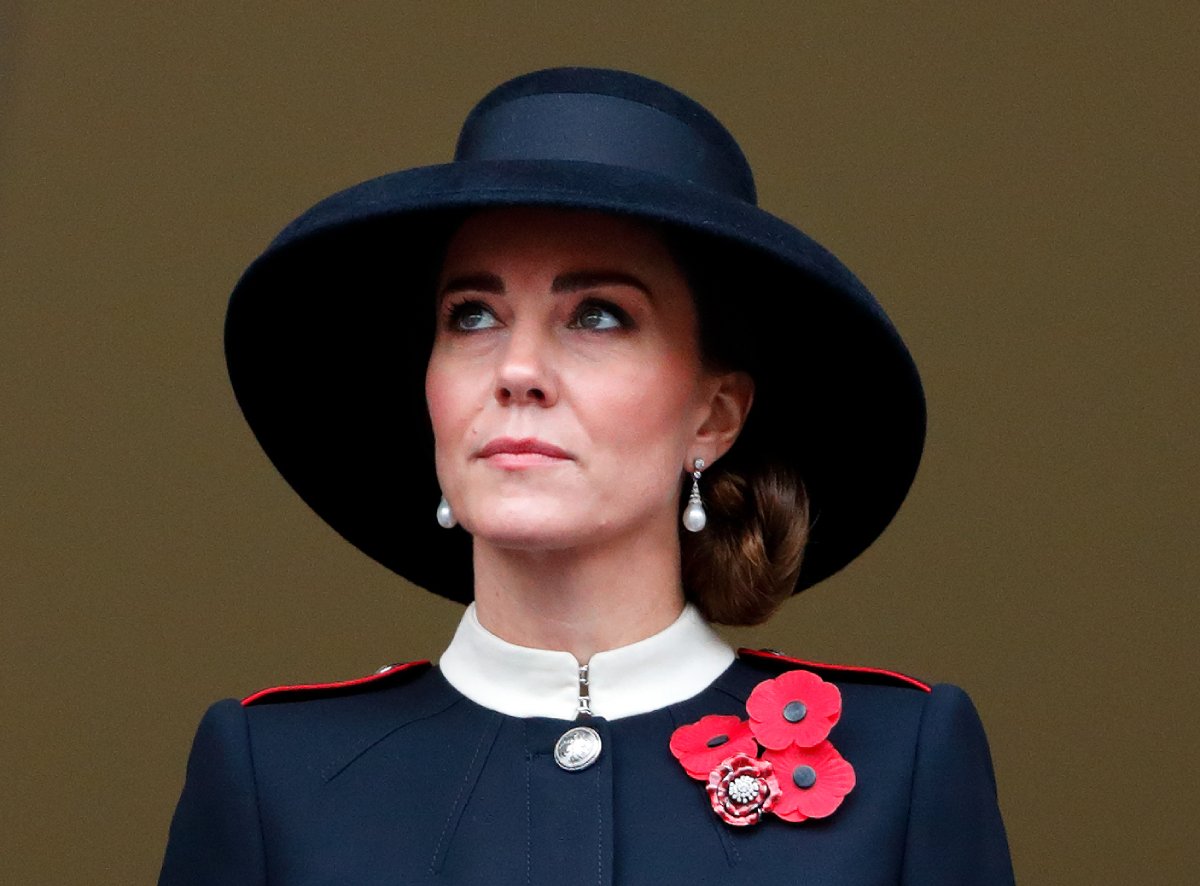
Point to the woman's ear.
(728, 405)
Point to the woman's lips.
(528, 451)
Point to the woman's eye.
(597, 316)
(470, 316)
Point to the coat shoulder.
(385, 677)
(774, 662)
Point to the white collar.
(670, 666)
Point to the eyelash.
(624, 321)
(455, 311)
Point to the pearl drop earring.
(694, 517)
(445, 516)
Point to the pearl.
(694, 518)
(445, 516)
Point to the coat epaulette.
(299, 692)
(778, 661)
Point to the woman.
(651, 406)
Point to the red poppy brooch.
(780, 760)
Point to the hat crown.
(594, 115)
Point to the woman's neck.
(581, 601)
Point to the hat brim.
(328, 333)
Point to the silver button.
(577, 749)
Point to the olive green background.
(1017, 183)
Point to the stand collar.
(668, 667)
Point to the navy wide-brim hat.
(329, 331)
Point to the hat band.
(601, 129)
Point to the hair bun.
(744, 564)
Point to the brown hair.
(744, 564)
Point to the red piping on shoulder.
(779, 656)
(340, 684)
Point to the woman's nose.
(524, 375)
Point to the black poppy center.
(717, 740)
(804, 776)
(794, 711)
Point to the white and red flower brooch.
(780, 760)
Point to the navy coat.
(400, 779)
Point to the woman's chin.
(530, 537)
(534, 529)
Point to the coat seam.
(464, 791)
(262, 837)
(912, 783)
(333, 771)
(528, 810)
(732, 856)
(599, 833)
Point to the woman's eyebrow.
(576, 280)
(482, 282)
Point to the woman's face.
(566, 387)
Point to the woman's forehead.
(520, 236)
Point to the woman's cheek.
(448, 409)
